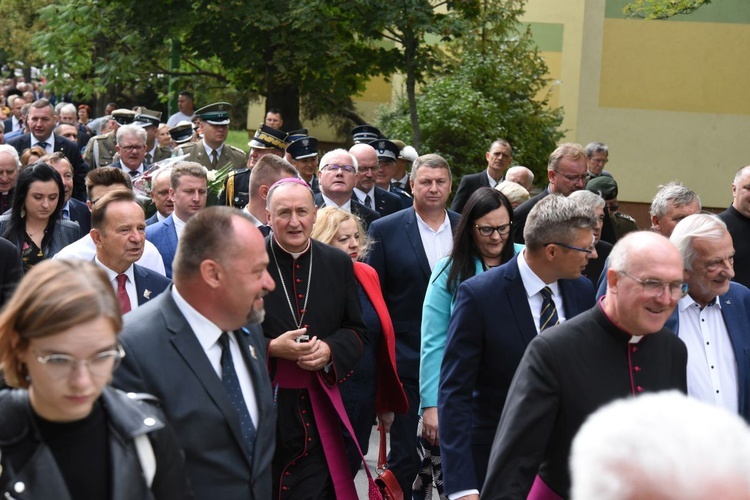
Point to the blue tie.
(232, 386)
(548, 317)
(42, 144)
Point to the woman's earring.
(23, 212)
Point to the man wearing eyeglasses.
(368, 166)
(131, 145)
(566, 171)
(597, 156)
(338, 174)
(119, 233)
(712, 319)
(618, 348)
(496, 315)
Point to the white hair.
(335, 152)
(10, 150)
(662, 445)
(700, 226)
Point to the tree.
(492, 87)
(662, 9)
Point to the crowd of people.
(243, 344)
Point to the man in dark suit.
(9, 167)
(566, 171)
(199, 349)
(11, 269)
(41, 122)
(496, 315)
(712, 318)
(365, 190)
(618, 348)
(188, 190)
(14, 123)
(406, 246)
(737, 219)
(499, 157)
(74, 210)
(338, 174)
(302, 152)
(119, 235)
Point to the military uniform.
(236, 189)
(196, 152)
(161, 153)
(101, 151)
(622, 224)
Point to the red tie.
(122, 294)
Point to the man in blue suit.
(199, 348)
(712, 319)
(406, 245)
(41, 122)
(188, 190)
(119, 236)
(497, 314)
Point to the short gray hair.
(692, 227)
(131, 130)
(554, 219)
(596, 147)
(335, 152)
(431, 161)
(648, 447)
(67, 108)
(588, 200)
(674, 193)
(501, 142)
(6, 148)
(515, 193)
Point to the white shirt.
(255, 220)
(534, 285)
(330, 203)
(127, 170)
(361, 197)
(437, 244)
(177, 118)
(85, 249)
(493, 182)
(129, 283)
(179, 225)
(711, 365)
(49, 140)
(208, 335)
(403, 182)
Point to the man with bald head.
(520, 175)
(317, 335)
(370, 195)
(737, 219)
(499, 157)
(618, 348)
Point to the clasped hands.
(312, 355)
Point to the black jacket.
(29, 466)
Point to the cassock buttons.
(639, 389)
(634, 349)
(298, 280)
(636, 369)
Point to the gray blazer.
(65, 233)
(164, 358)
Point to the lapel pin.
(147, 294)
(728, 302)
(252, 352)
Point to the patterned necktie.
(42, 144)
(122, 294)
(133, 173)
(368, 201)
(214, 158)
(548, 317)
(232, 386)
(147, 159)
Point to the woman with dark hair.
(65, 433)
(34, 225)
(481, 241)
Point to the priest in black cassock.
(617, 349)
(314, 323)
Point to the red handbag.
(386, 480)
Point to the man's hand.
(430, 425)
(285, 345)
(317, 357)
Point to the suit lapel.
(188, 347)
(171, 235)
(412, 232)
(735, 317)
(516, 296)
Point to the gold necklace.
(31, 235)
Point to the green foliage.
(662, 9)
(489, 90)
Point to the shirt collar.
(445, 224)
(687, 301)
(205, 331)
(531, 282)
(330, 203)
(361, 195)
(208, 149)
(113, 275)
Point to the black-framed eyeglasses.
(335, 168)
(588, 250)
(132, 148)
(101, 365)
(655, 288)
(488, 230)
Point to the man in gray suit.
(198, 347)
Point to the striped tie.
(548, 317)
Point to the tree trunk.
(285, 98)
